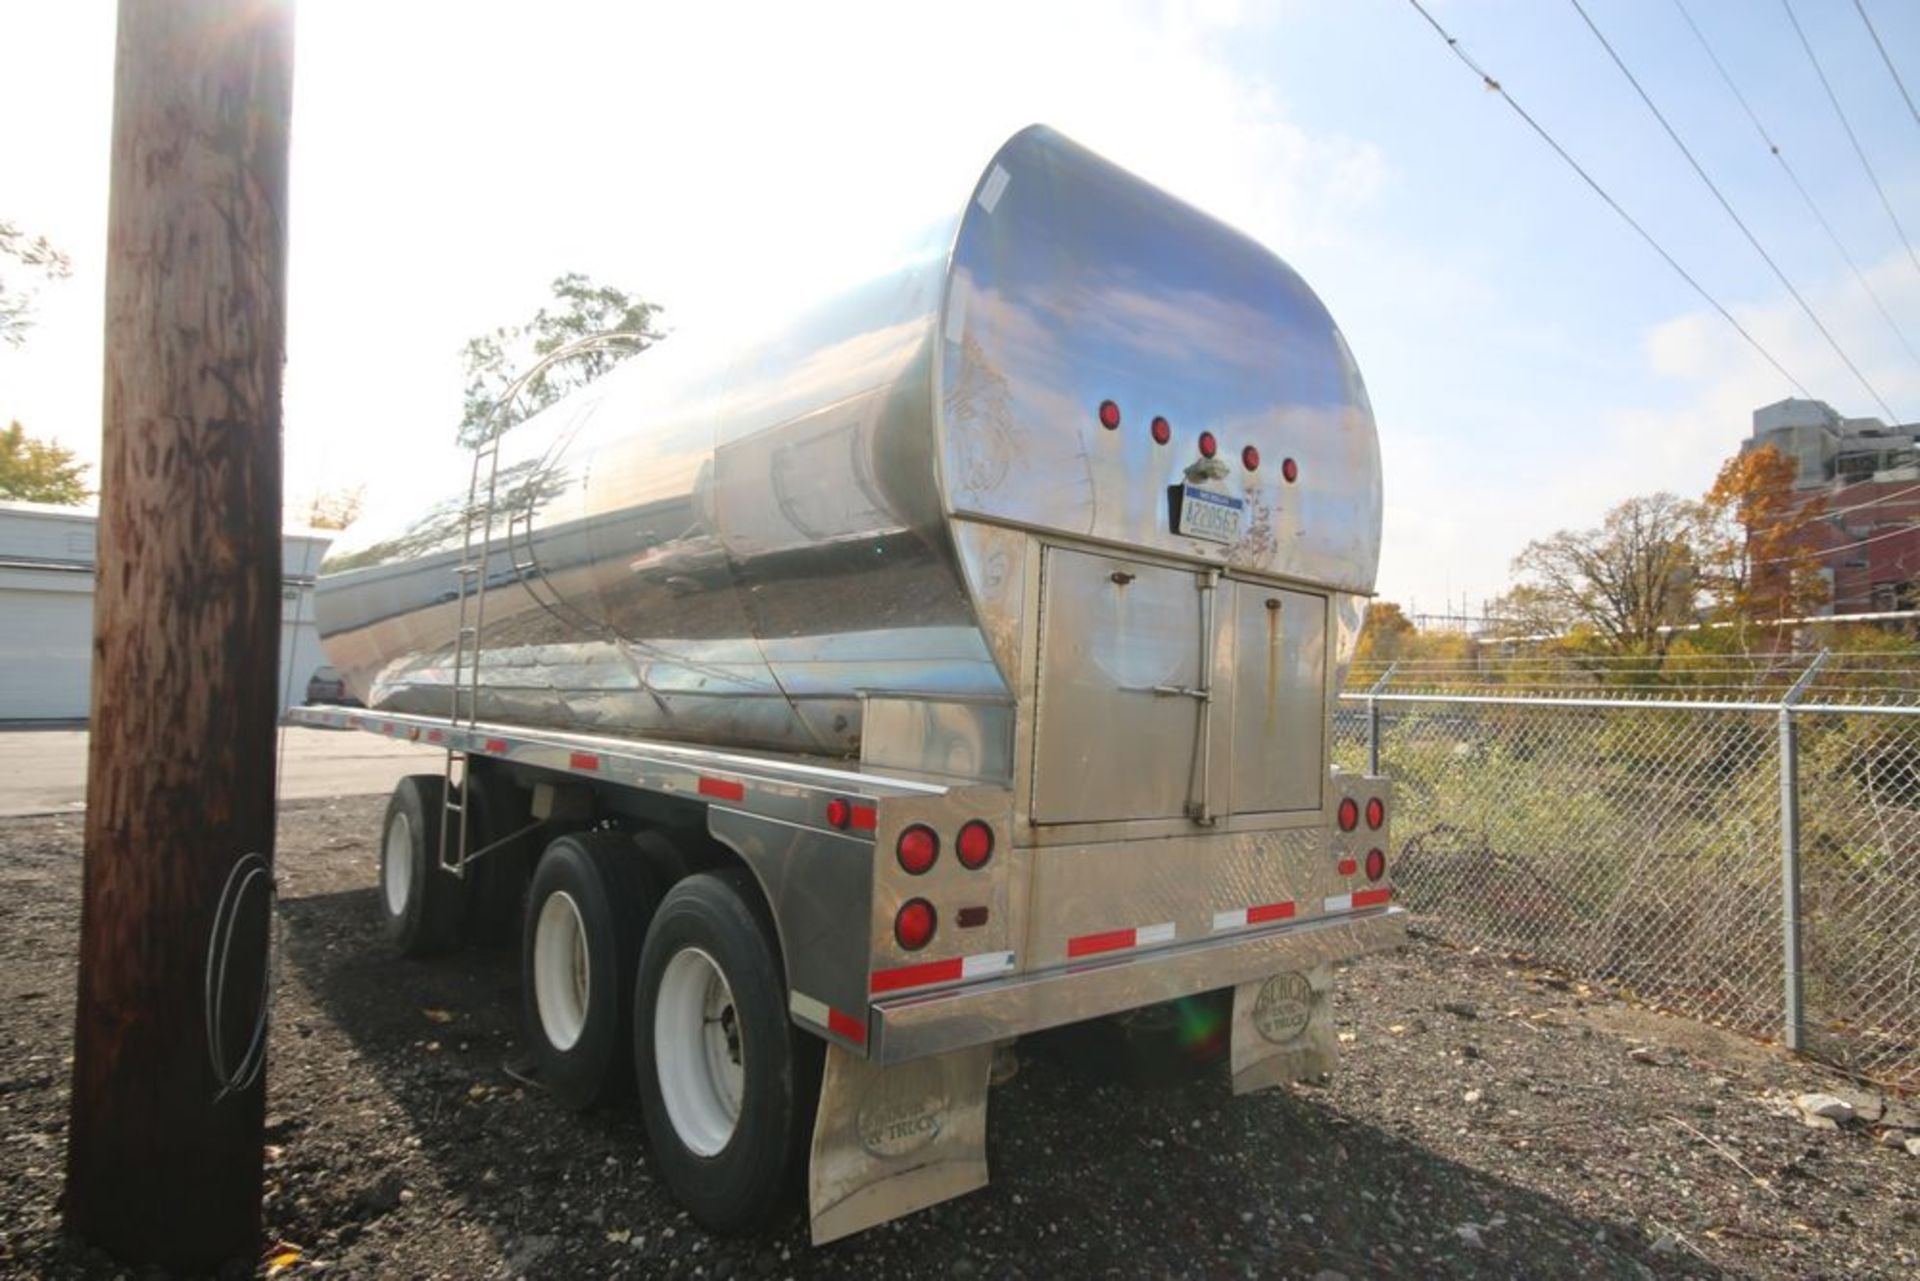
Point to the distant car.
(326, 686)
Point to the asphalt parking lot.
(44, 771)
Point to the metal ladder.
(472, 575)
(455, 854)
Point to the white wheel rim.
(562, 972)
(699, 1051)
(397, 875)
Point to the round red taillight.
(974, 846)
(1346, 867)
(913, 926)
(1376, 813)
(1376, 865)
(1208, 445)
(1162, 431)
(917, 849)
(839, 812)
(1349, 814)
(1290, 469)
(1250, 458)
(1109, 415)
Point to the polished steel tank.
(911, 496)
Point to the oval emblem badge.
(1283, 1008)
(905, 1113)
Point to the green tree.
(41, 259)
(580, 309)
(1627, 580)
(39, 471)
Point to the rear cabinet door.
(1279, 712)
(1107, 747)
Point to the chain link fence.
(1740, 845)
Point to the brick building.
(1868, 475)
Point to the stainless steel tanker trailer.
(952, 663)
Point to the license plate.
(1207, 514)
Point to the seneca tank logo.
(1283, 1008)
(903, 1116)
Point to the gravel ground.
(1490, 1119)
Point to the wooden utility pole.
(164, 1163)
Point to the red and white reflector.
(820, 1014)
(725, 789)
(1120, 940)
(952, 970)
(1259, 914)
(1358, 899)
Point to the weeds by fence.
(1649, 827)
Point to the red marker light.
(974, 845)
(1109, 415)
(839, 812)
(1250, 458)
(1290, 469)
(1376, 865)
(1376, 813)
(1162, 431)
(1208, 445)
(917, 849)
(1349, 815)
(913, 927)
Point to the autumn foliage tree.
(39, 471)
(1759, 548)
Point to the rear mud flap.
(892, 1140)
(1283, 1029)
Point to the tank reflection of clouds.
(732, 542)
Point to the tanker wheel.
(727, 1083)
(421, 901)
(586, 914)
(497, 880)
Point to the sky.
(1531, 362)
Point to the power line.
(1891, 70)
(1612, 204)
(1774, 149)
(1765, 257)
(1866, 164)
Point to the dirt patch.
(1489, 1120)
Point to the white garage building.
(46, 611)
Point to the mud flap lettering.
(1282, 1029)
(890, 1140)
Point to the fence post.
(1794, 1030)
(1373, 720)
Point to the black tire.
(497, 880)
(748, 1179)
(581, 1047)
(420, 901)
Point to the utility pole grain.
(162, 1166)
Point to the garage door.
(45, 642)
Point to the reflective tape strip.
(1340, 903)
(725, 789)
(497, 746)
(584, 761)
(865, 817)
(982, 964)
(1120, 940)
(1260, 914)
(1373, 898)
(947, 971)
(820, 1014)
